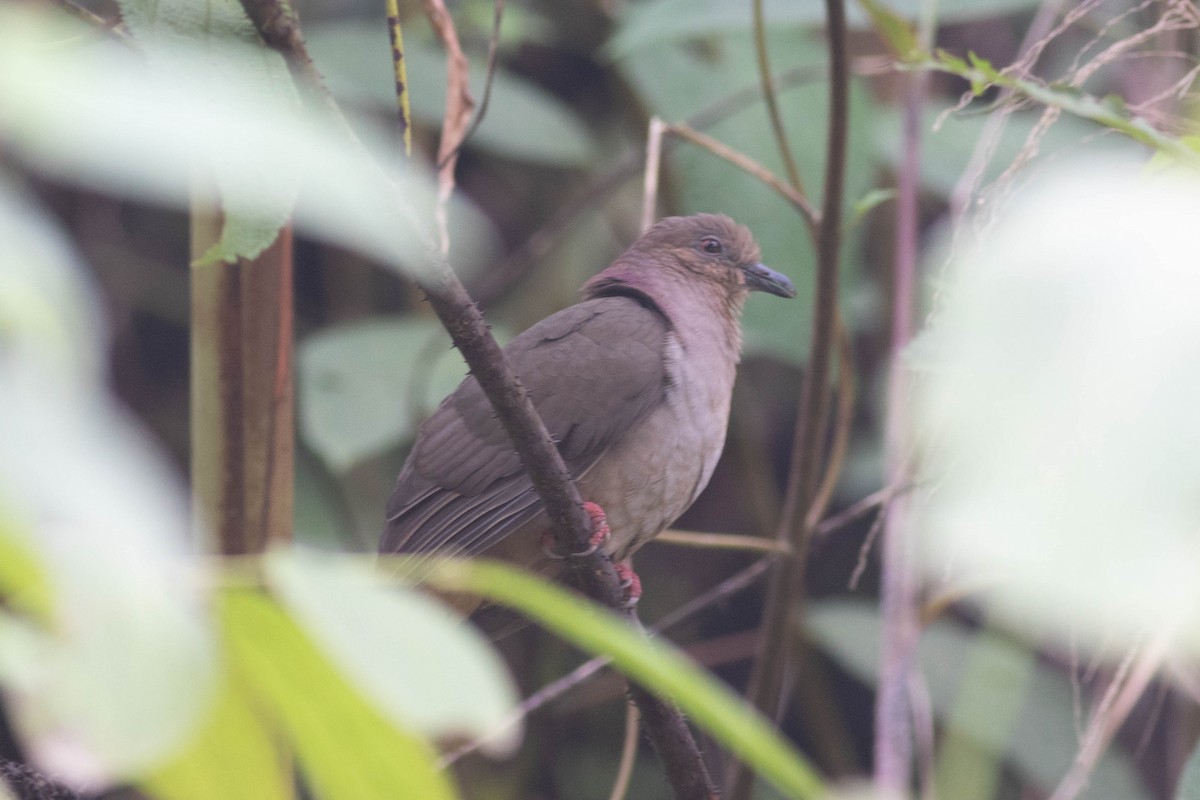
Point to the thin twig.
(747, 164)
(455, 117)
(722, 541)
(1129, 684)
(771, 100)
(894, 713)
(113, 28)
(847, 392)
(279, 28)
(499, 277)
(489, 75)
(654, 146)
(400, 73)
(861, 508)
(629, 748)
(786, 590)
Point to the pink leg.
(600, 533)
(600, 529)
(631, 583)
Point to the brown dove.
(634, 384)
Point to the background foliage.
(127, 657)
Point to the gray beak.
(761, 278)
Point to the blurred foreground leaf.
(251, 220)
(124, 658)
(661, 669)
(416, 661)
(100, 115)
(1027, 716)
(1056, 412)
(235, 756)
(345, 746)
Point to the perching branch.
(593, 574)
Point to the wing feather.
(593, 370)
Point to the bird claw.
(631, 584)
(600, 534)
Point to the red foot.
(600, 529)
(600, 534)
(630, 582)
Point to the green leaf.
(97, 115)
(1189, 781)
(453, 687)
(363, 386)
(162, 26)
(657, 23)
(650, 662)
(1027, 716)
(235, 756)
(346, 746)
(523, 121)
(899, 33)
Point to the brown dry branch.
(654, 146)
(811, 216)
(770, 97)
(456, 116)
(594, 573)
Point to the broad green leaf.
(100, 116)
(1042, 741)
(453, 686)
(663, 22)
(345, 745)
(707, 702)
(523, 121)
(364, 386)
(161, 26)
(899, 34)
(676, 82)
(1057, 419)
(235, 756)
(1189, 781)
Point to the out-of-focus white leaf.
(419, 663)
(109, 665)
(1057, 410)
(102, 115)
(48, 311)
(125, 666)
(250, 221)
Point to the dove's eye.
(711, 244)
